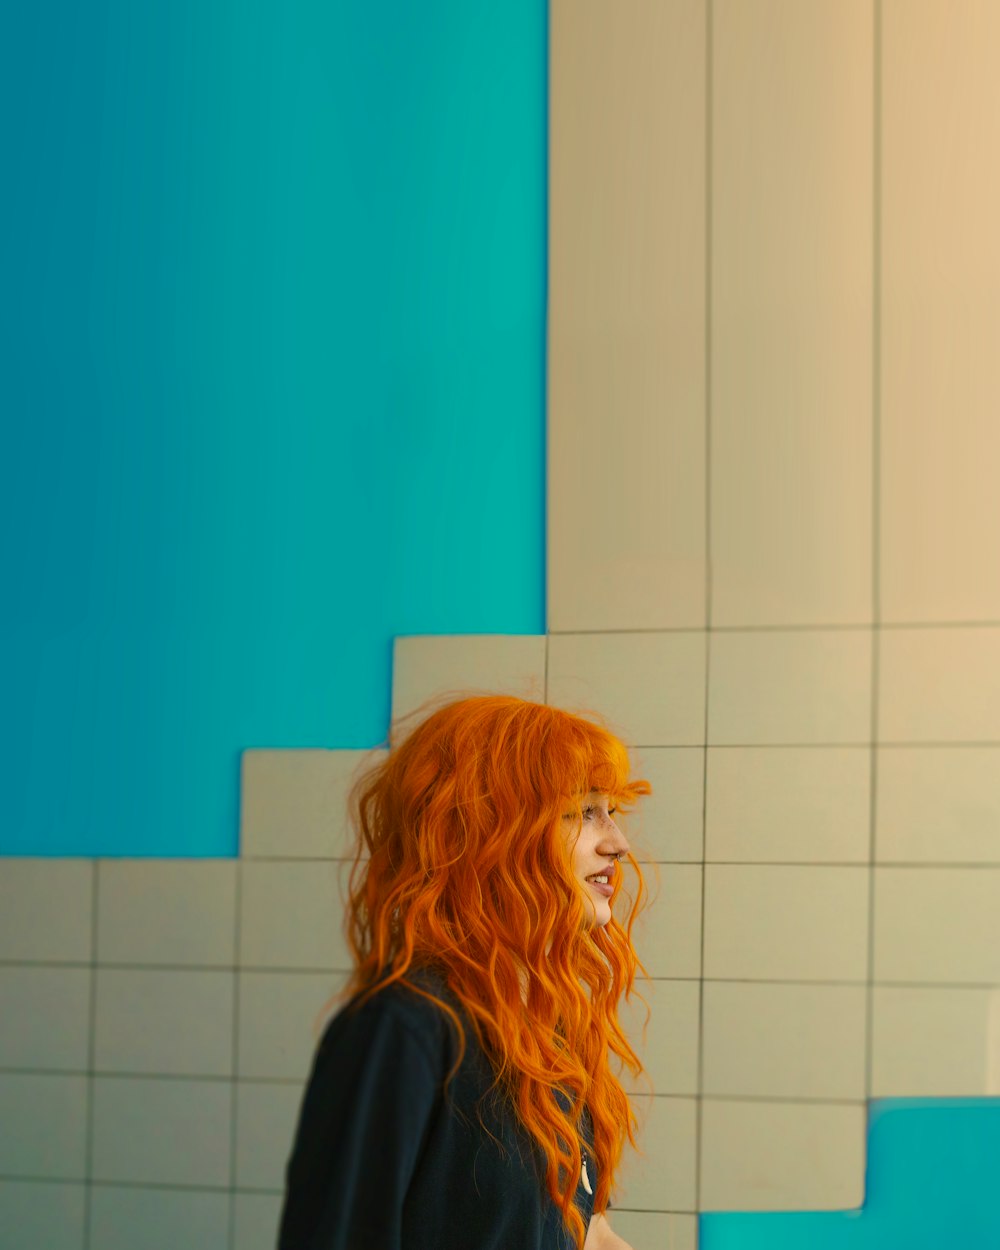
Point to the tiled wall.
(774, 555)
(774, 564)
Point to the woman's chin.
(597, 915)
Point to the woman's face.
(593, 853)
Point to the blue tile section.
(272, 383)
(933, 1183)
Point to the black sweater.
(382, 1160)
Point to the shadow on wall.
(931, 1182)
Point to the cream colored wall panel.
(657, 1230)
(790, 687)
(46, 909)
(788, 804)
(940, 387)
(669, 1052)
(168, 1218)
(935, 1042)
(267, 1114)
(814, 1158)
(937, 925)
(161, 1132)
(938, 805)
(46, 1018)
(626, 334)
(786, 923)
(164, 1022)
(47, 1216)
(276, 1015)
(939, 685)
(792, 312)
(667, 825)
(784, 1041)
(294, 803)
(291, 916)
(650, 687)
(437, 665)
(45, 1125)
(167, 911)
(663, 1177)
(255, 1220)
(667, 933)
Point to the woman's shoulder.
(402, 1007)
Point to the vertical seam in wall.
(88, 1166)
(234, 1085)
(876, 533)
(699, 1103)
(547, 144)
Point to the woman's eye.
(612, 810)
(588, 811)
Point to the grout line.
(199, 1078)
(709, 122)
(234, 1101)
(812, 628)
(165, 1186)
(876, 532)
(546, 330)
(88, 1158)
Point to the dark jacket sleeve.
(369, 1100)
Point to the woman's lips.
(601, 888)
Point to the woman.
(463, 1099)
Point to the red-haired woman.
(463, 1098)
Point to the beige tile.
(294, 803)
(938, 805)
(290, 916)
(814, 1157)
(937, 925)
(46, 1017)
(790, 687)
(788, 804)
(939, 685)
(792, 313)
(649, 687)
(164, 1022)
(784, 1041)
(45, 1125)
(441, 667)
(276, 1017)
(46, 909)
(267, 1116)
(667, 825)
(667, 933)
(655, 1230)
(46, 1216)
(786, 923)
(663, 1177)
(940, 306)
(935, 1043)
(626, 326)
(256, 1219)
(161, 1131)
(670, 1051)
(168, 1218)
(167, 911)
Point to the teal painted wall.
(272, 381)
(930, 1185)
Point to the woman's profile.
(464, 1095)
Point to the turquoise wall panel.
(931, 1184)
(272, 381)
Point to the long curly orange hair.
(463, 860)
